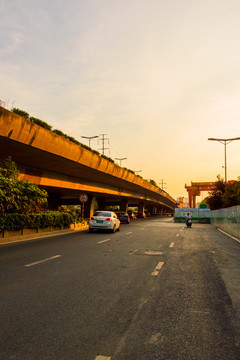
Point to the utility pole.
(162, 184)
(103, 143)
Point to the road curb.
(24, 238)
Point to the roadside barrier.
(29, 234)
(228, 220)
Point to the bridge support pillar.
(153, 210)
(101, 204)
(89, 206)
(123, 205)
(141, 207)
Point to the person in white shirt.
(187, 218)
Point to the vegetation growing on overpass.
(70, 138)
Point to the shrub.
(59, 132)
(13, 222)
(41, 123)
(20, 113)
(107, 158)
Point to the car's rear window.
(103, 213)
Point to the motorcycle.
(189, 222)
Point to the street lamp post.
(138, 171)
(89, 138)
(225, 142)
(120, 159)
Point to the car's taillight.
(91, 218)
(108, 219)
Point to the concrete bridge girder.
(55, 200)
(61, 166)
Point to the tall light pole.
(120, 159)
(138, 171)
(89, 138)
(225, 142)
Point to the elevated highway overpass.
(66, 170)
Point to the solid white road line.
(171, 245)
(157, 268)
(42, 261)
(103, 241)
(100, 357)
(234, 238)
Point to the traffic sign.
(83, 198)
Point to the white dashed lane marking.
(171, 245)
(153, 253)
(103, 241)
(100, 357)
(157, 268)
(42, 261)
(128, 233)
(132, 252)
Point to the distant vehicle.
(104, 220)
(132, 215)
(141, 215)
(123, 216)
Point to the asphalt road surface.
(156, 290)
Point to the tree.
(231, 197)
(8, 168)
(18, 196)
(214, 200)
(204, 202)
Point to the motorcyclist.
(188, 218)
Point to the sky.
(159, 77)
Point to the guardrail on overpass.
(67, 170)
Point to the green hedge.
(14, 222)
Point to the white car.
(104, 220)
